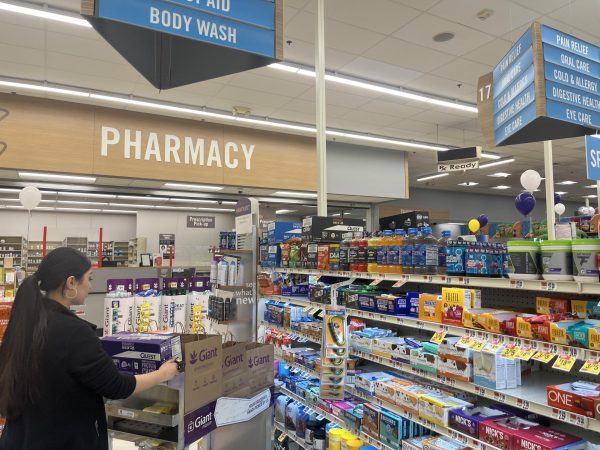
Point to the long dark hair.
(25, 336)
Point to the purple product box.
(300, 290)
(139, 353)
(384, 304)
(367, 302)
(467, 420)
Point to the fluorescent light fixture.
(73, 202)
(296, 194)
(590, 196)
(278, 200)
(376, 87)
(501, 187)
(431, 177)
(589, 186)
(228, 203)
(43, 88)
(561, 193)
(468, 183)
(384, 140)
(86, 194)
(193, 200)
(131, 205)
(497, 163)
(177, 208)
(199, 187)
(44, 14)
(118, 211)
(143, 198)
(78, 209)
(276, 124)
(567, 182)
(456, 223)
(490, 155)
(215, 209)
(499, 175)
(55, 177)
(336, 215)
(284, 211)
(9, 190)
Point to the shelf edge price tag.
(564, 363)
(544, 357)
(478, 345)
(399, 283)
(464, 342)
(282, 437)
(492, 347)
(376, 282)
(525, 353)
(591, 366)
(438, 337)
(510, 352)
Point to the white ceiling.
(387, 41)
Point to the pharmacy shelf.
(531, 396)
(444, 431)
(292, 437)
(411, 322)
(292, 333)
(364, 437)
(571, 287)
(300, 301)
(300, 367)
(225, 251)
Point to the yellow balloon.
(474, 225)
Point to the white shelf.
(300, 301)
(571, 287)
(533, 390)
(411, 322)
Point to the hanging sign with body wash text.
(546, 87)
(592, 157)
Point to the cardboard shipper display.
(212, 369)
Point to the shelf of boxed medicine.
(299, 301)
(330, 417)
(571, 287)
(531, 396)
(444, 431)
(582, 354)
(296, 335)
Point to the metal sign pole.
(321, 113)
(549, 174)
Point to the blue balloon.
(483, 220)
(525, 202)
(556, 198)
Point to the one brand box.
(579, 398)
(329, 229)
(139, 353)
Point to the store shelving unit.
(78, 243)
(13, 247)
(135, 247)
(35, 253)
(121, 252)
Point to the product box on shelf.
(424, 360)
(546, 305)
(323, 257)
(579, 397)
(455, 368)
(329, 229)
(371, 420)
(454, 301)
(387, 390)
(366, 382)
(413, 304)
(557, 332)
(436, 408)
(276, 231)
(391, 347)
(415, 443)
(412, 219)
(468, 420)
(312, 256)
(139, 353)
(586, 334)
(486, 319)
(586, 309)
(430, 308)
(490, 370)
(273, 256)
(408, 397)
(448, 349)
(542, 438)
(391, 429)
(442, 443)
(501, 432)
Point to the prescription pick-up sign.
(592, 156)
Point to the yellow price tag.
(591, 366)
(321, 314)
(306, 308)
(525, 353)
(510, 351)
(478, 345)
(465, 342)
(376, 282)
(282, 437)
(544, 357)
(438, 337)
(313, 310)
(493, 347)
(564, 363)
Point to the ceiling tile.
(303, 52)
(490, 53)
(581, 16)
(463, 70)
(438, 118)
(289, 13)
(22, 36)
(77, 46)
(395, 108)
(89, 66)
(17, 70)
(295, 116)
(445, 88)
(247, 97)
(506, 16)
(385, 73)
(270, 85)
(407, 55)
(101, 82)
(423, 5)
(370, 118)
(338, 98)
(21, 55)
(423, 28)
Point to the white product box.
(197, 307)
(146, 311)
(118, 314)
(366, 382)
(490, 370)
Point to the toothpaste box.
(139, 353)
(391, 429)
(468, 420)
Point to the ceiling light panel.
(199, 187)
(431, 177)
(55, 177)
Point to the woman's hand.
(168, 371)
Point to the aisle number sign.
(592, 157)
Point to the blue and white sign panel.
(572, 73)
(514, 91)
(246, 25)
(592, 157)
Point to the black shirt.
(76, 373)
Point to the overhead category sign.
(459, 159)
(546, 87)
(177, 42)
(592, 157)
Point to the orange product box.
(556, 332)
(546, 305)
(430, 308)
(454, 301)
(323, 257)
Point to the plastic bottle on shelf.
(394, 252)
(431, 252)
(222, 272)
(419, 254)
(382, 254)
(442, 245)
(213, 271)
(362, 264)
(344, 251)
(372, 253)
(232, 273)
(407, 251)
(386, 243)
(353, 252)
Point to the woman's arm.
(166, 372)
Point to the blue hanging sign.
(592, 157)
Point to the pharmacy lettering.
(173, 149)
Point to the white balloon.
(590, 211)
(530, 180)
(559, 209)
(30, 197)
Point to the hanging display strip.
(375, 443)
(581, 354)
(530, 391)
(569, 287)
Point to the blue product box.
(231, 240)
(300, 290)
(274, 256)
(413, 304)
(384, 304)
(391, 430)
(139, 353)
(401, 306)
(367, 302)
(276, 231)
(223, 239)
